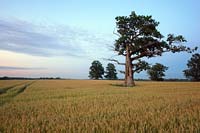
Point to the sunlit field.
(98, 106)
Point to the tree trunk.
(128, 70)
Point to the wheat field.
(98, 106)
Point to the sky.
(49, 38)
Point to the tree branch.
(143, 47)
(139, 56)
(148, 54)
(119, 63)
(137, 35)
(140, 66)
(123, 72)
(115, 33)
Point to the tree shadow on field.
(121, 85)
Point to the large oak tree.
(139, 37)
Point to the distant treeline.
(174, 79)
(171, 79)
(25, 78)
(58, 78)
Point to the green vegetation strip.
(11, 92)
(5, 89)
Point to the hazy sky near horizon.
(62, 38)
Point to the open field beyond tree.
(98, 106)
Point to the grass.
(99, 106)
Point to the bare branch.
(138, 70)
(111, 48)
(137, 35)
(115, 33)
(123, 72)
(119, 63)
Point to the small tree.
(156, 72)
(111, 72)
(96, 70)
(193, 71)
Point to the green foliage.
(111, 72)
(156, 72)
(140, 66)
(140, 34)
(96, 70)
(139, 37)
(193, 71)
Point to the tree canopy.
(96, 70)
(193, 71)
(111, 72)
(156, 72)
(138, 37)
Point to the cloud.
(19, 68)
(51, 40)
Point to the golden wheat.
(100, 106)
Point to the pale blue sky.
(63, 37)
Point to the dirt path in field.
(5, 89)
(23, 88)
(8, 96)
